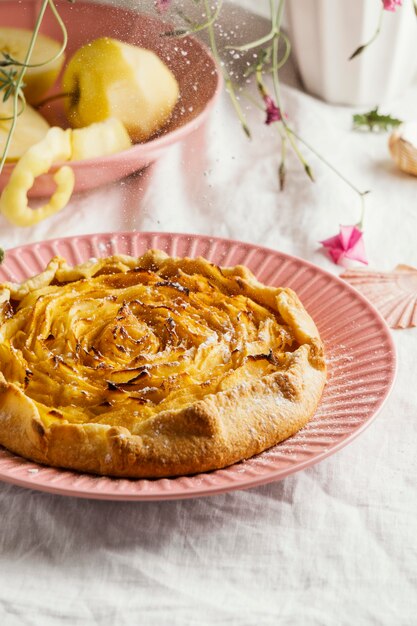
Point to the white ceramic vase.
(324, 33)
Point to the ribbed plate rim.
(167, 489)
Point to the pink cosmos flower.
(162, 5)
(348, 244)
(391, 5)
(273, 113)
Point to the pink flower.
(273, 113)
(391, 5)
(347, 245)
(162, 5)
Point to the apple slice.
(109, 78)
(99, 139)
(15, 42)
(30, 128)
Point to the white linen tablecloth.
(332, 545)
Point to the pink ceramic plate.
(193, 66)
(359, 348)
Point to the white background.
(333, 545)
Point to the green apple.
(109, 78)
(15, 42)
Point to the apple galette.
(153, 366)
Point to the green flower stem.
(263, 91)
(20, 80)
(262, 40)
(253, 44)
(278, 15)
(327, 163)
(372, 39)
(362, 220)
(60, 51)
(282, 169)
(293, 136)
(227, 80)
(64, 35)
(25, 65)
(287, 52)
(277, 18)
(11, 117)
(275, 32)
(360, 193)
(196, 28)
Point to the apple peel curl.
(39, 158)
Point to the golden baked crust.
(153, 366)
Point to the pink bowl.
(194, 68)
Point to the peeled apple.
(99, 139)
(109, 78)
